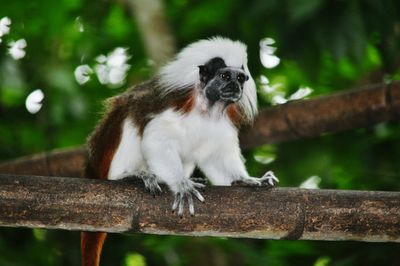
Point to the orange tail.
(91, 245)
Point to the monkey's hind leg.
(91, 245)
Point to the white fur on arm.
(224, 168)
(163, 160)
(160, 144)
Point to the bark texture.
(154, 28)
(350, 109)
(254, 212)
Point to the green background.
(326, 45)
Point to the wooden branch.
(64, 162)
(307, 118)
(328, 114)
(125, 207)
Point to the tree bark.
(328, 114)
(154, 28)
(299, 119)
(253, 212)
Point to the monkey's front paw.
(185, 190)
(269, 178)
(150, 182)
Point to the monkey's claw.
(185, 191)
(151, 184)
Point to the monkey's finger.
(271, 181)
(191, 205)
(175, 204)
(199, 185)
(275, 179)
(271, 175)
(181, 205)
(198, 195)
(199, 180)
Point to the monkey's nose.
(231, 92)
(232, 87)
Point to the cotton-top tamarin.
(188, 115)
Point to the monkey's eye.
(241, 78)
(226, 76)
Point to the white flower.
(118, 57)
(117, 75)
(301, 93)
(79, 24)
(33, 102)
(278, 99)
(16, 49)
(101, 59)
(112, 69)
(311, 183)
(102, 73)
(264, 80)
(82, 74)
(267, 57)
(266, 87)
(5, 26)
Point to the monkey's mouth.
(227, 94)
(230, 94)
(231, 97)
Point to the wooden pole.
(251, 212)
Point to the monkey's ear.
(203, 70)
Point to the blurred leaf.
(323, 261)
(135, 259)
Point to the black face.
(222, 83)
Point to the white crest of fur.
(183, 71)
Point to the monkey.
(188, 115)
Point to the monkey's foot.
(185, 190)
(267, 179)
(150, 183)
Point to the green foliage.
(326, 45)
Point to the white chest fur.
(196, 135)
